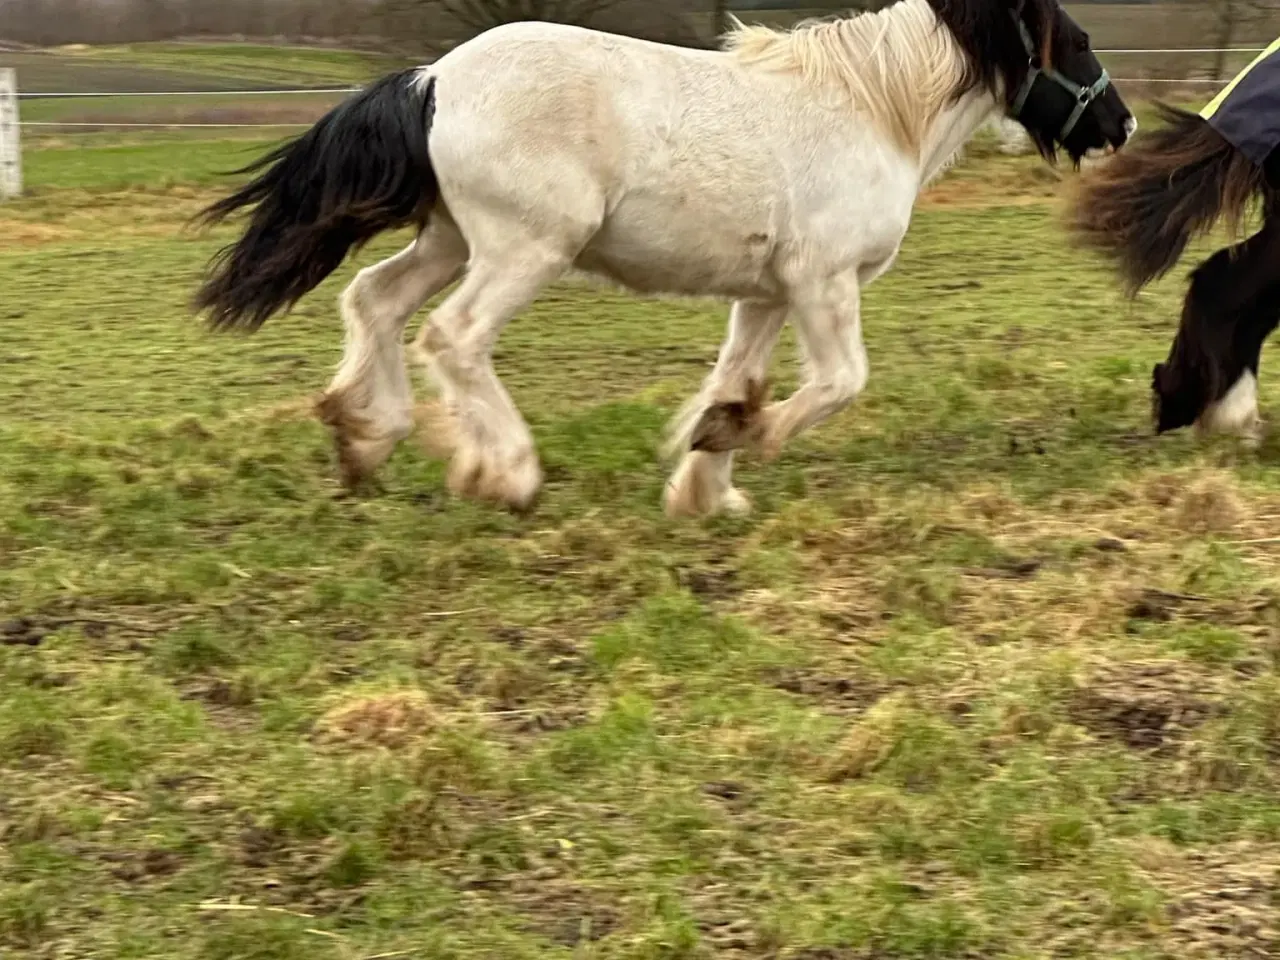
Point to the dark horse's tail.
(1149, 199)
(362, 169)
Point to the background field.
(205, 68)
(990, 673)
(211, 67)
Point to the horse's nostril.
(1130, 127)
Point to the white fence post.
(10, 146)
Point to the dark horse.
(1145, 204)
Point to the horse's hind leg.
(723, 416)
(369, 403)
(495, 457)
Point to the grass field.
(190, 66)
(206, 68)
(991, 672)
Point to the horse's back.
(664, 148)
(663, 168)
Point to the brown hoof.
(347, 431)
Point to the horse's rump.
(1246, 113)
(1146, 203)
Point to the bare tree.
(1231, 19)
(439, 24)
(720, 17)
(478, 15)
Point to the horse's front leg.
(829, 330)
(724, 415)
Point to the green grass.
(990, 672)
(211, 109)
(262, 63)
(148, 161)
(199, 66)
(204, 67)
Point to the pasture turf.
(991, 671)
(191, 66)
(203, 67)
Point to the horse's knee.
(440, 346)
(844, 385)
(432, 340)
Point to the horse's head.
(1059, 91)
(1031, 55)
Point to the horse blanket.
(1247, 111)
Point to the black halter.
(1083, 95)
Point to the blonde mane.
(898, 65)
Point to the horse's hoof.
(478, 476)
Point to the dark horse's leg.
(1232, 306)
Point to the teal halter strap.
(1083, 95)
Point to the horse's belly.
(682, 254)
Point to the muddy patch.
(1145, 705)
(843, 694)
(1221, 902)
(565, 912)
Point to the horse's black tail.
(1147, 201)
(362, 169)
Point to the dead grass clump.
(870, 742)
(1239, 748)
(389, 720)
(774, 611)
(190, 427)
(1210, 505)
(1163, 489)
(1216, 761)
(757, 743)
(991, 504)
(292, 410)
(17, 233)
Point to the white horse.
(779, 172)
